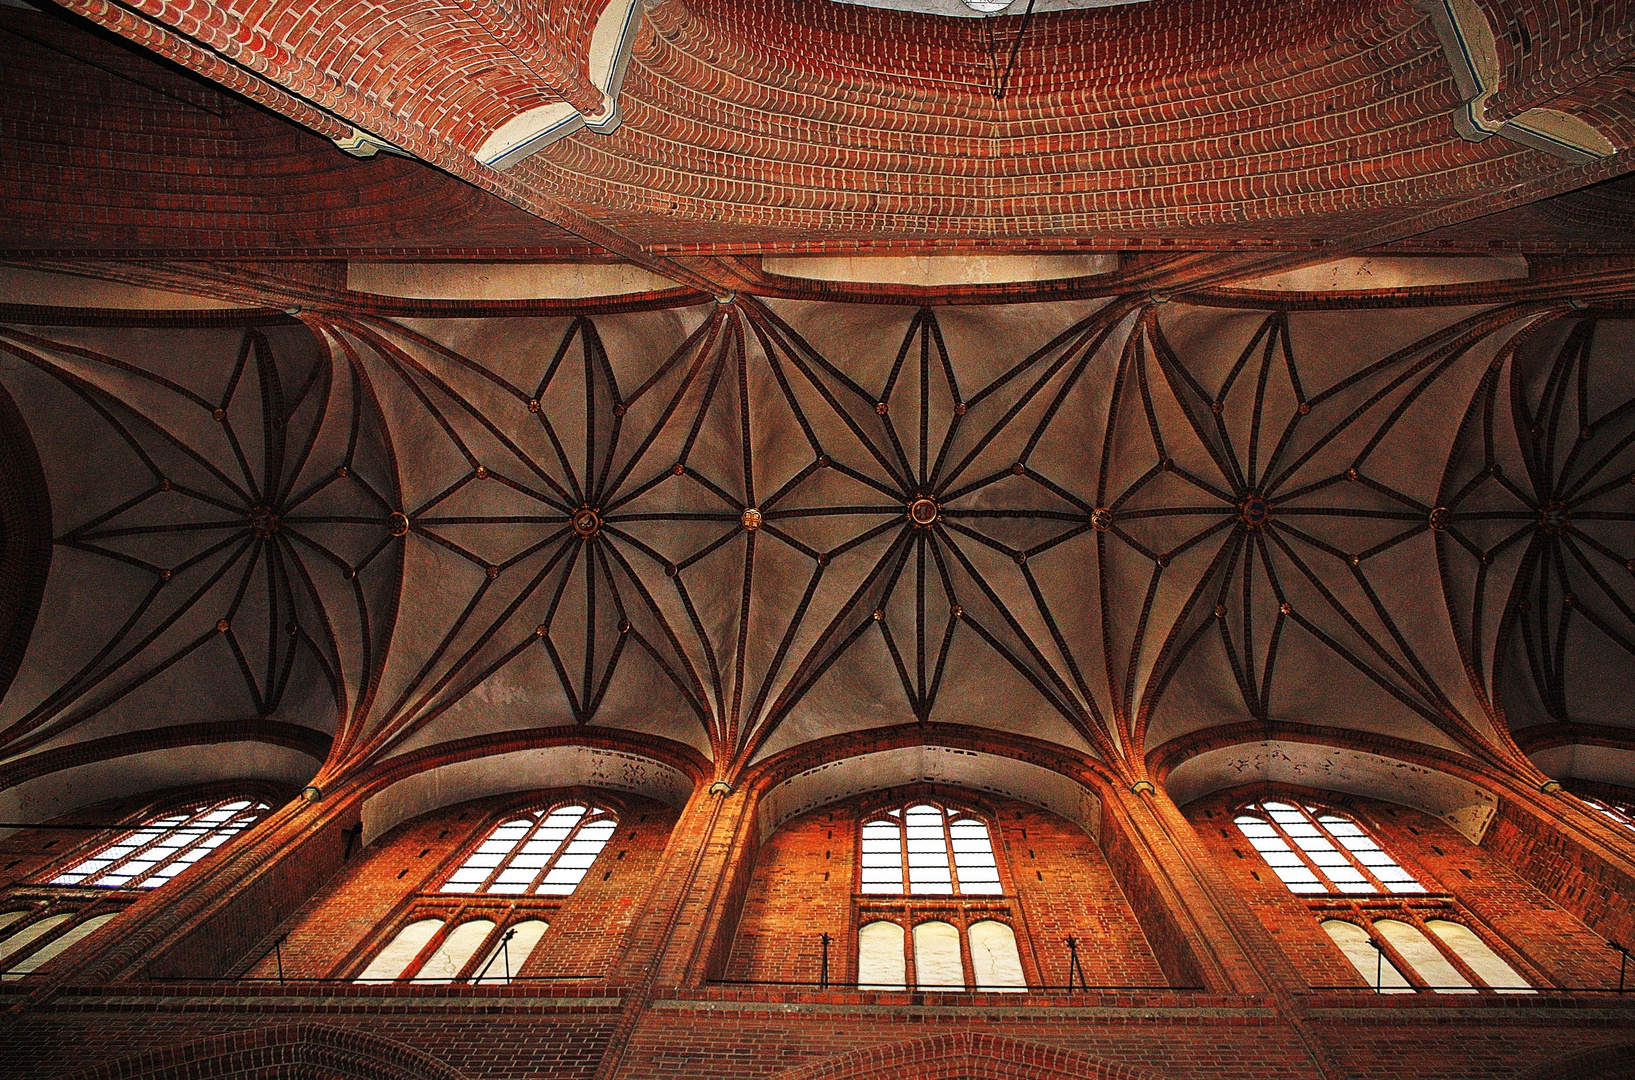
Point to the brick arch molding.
(1615, 1062)
(293, 1052)
(966, 1056)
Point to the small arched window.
(164, 846)
(426, 951)
(1317, 851)
(542, 853)
(1450, 959)
(934, 849)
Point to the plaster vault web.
(1113, 525)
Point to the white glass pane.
(981, 888)
(1282, 858)
(461, 944)
(576, 861)
(936, 957)
(1410, 887)
(54, 948)
(1426, 959)
(882, 858)
(517, 875)
(29, 934)
(1375, 969)
(880, 962)
(1487, 964)
(391, 961)
(505, 959)
(995, 963)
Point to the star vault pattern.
(1117, 525)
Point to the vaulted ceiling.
(1117, 526)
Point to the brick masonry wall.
(344, 924)
(1501, 905)
(805, 879)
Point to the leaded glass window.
(1317, 851)
(1615, 812)
(540, 853)
(163, 847)
(933, 849)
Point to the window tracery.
(933, 848)
(540, 853)
(1401, 937)
(1311, 850)
(927, 849)
(163, 846)
(1410, 953)
(430, 951)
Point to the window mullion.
(137, 854)
(429, 949)
(494, 874)
(561, 849)
(902, 854)
(1418, 921)
(1407, 970)
(1294, 846)
(1350, 856)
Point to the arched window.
(427, 951)
(1449, 959)
(1616, 812)
(945, 957)
(34, 944)
(1316, 851)
(149, 856)
(935, 849)
(542, 853)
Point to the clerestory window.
(540, 853)
(1616, 812)
(927, 848)
(164, 846)
(1318, 851)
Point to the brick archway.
(294, 1052)
(966, 1056)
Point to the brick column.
(1201, 930)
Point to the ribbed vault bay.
(1112, 525)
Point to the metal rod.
(1027, 16)
(823, 976)
(1379, 964)
(278, 949)
(505, 950)
(76, 828)
(1073, 968)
